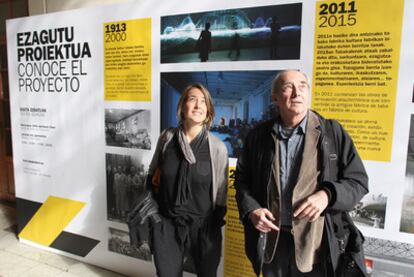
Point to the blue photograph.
(242, 99)
(246, 34)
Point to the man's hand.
(312, 206)
(262, 219)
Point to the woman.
(189, 179)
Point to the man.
(296, 179)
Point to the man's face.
(292, 96)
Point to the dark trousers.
(169, 253)
(284, 264)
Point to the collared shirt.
(291, 143)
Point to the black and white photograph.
(242, 99)
(244, 34)
(407, 212)
(370, 211)
(125, 181)
(119, 242)
(128, 128)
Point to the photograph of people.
(188, 176)
(125, 182)
(298, 176)
(129, 128)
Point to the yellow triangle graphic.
(50, 220)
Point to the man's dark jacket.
(342, 175)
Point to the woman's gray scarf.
(184, 173)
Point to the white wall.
(48, 6)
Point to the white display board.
(91, 89)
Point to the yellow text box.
(355, 72)
(128, 60)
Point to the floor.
(18, 259)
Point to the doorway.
(6, 152)
(9, 9)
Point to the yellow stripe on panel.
(50, 220)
